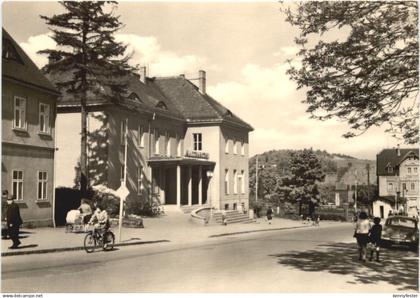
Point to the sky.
(243, 48)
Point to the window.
(140, 186)
(123, 131)
(122, 173)
(133, 96)
(242, 181)
(235, 147)
(227, 182)
(42, 185)
(197, 141)
(409, 170)
(415, 170)
(178, 146)
(168, 144)
(226, 206)
(242, 148)
(156, 134)
(44, 118)
(413, 186)
(17, 184)
(235, 206)
(140, 136)
(227, 146)
(20, 113)
(235, 182)
(9, 51)
(390, 187)
(404, 186)
(161, 105)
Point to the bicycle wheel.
(108, 240)
(89, 243)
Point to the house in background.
(183, 147)
(398, 181)
(28, 143)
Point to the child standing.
(375, 237)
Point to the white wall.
(68, 127)
(377, 211)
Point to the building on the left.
(28, 141)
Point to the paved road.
(303, 260)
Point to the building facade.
(179, 145)
(28, 127)
(398, 181)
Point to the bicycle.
(95, 239)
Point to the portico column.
(162, 185)
(200, 185)
(178, 185)
(189, 186)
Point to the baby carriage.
(75, 222)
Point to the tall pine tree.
(88, 60)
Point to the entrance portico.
(181, 181)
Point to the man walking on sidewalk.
(13, 221)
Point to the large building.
(28, 118)
(398, 181)
(183, 147)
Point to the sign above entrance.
(197, 154)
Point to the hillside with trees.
(276, 171)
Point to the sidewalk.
(174, 228)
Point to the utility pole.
(368, 185)
(256, 180)
(123, 188)
(355, 190)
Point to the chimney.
(143, 74)
(398, 150)
(202, 81)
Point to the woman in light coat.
(362, 235)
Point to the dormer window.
(161, 105)
(229, 113)
(9, 51)
(133, 96)
(389, 169)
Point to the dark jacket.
(13, 215)
(375, 233)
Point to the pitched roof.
(20, 67)
(147, 97)
(196, 107)
(389, 157)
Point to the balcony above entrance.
(185, 160)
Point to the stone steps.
(232, 216)
(188, 209)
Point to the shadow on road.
(27, 246)
(398, 267)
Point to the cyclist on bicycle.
(100, 219)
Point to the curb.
(52, 250)
(256, 231)
(263, 230)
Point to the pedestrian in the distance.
(375, 238)
(13, 221)
(4, 196)
(362, 234)
(224, 219)
(85, 211)
(269, 215)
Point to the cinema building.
(183, 147)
